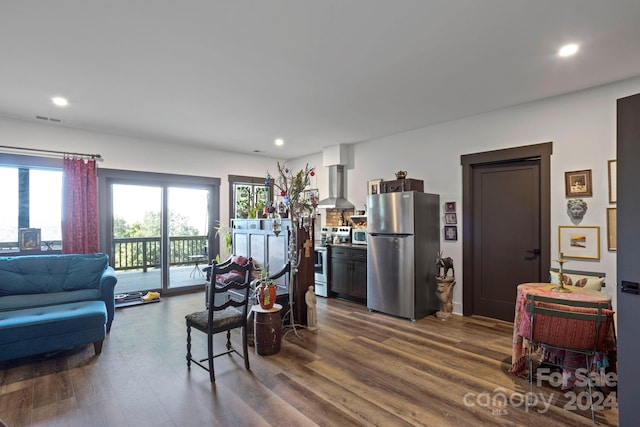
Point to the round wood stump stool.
(267, 329)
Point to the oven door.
(320, 271)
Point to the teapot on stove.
(401, 174)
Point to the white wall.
(580, 125)
(136, 154)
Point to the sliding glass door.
(159, 229)
(188, 228)
(136, 242)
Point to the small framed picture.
(450, 232)
(579, 242)
(29, 239)
(613, 181)
(450, 207)
(612, 243)
(450, 218)
(578, 183)
(373, 186)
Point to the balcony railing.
(142, 253)
(139, 253)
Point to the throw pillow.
(230, 277)
(579, 280)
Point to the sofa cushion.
(19, 302)
(580, 280)
(31, 275)
(32, 323)
(50, 273)
(85, 272)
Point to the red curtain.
(79, 206)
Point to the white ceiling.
(237, 74)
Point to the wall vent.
(50, 119)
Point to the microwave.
(359, 236)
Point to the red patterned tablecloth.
(521, 319)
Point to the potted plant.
(243, 202)
(243, 208)
(224, 233)
(258, 210)
(266, 290)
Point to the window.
(45, 205)
(249, 196)
(250, 199)
(31, 198)
(9, 212)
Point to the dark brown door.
(506, 234)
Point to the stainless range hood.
(336, 199)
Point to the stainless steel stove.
(320, 271)
(343, 234)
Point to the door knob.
(535, 252)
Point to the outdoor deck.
(179, 276)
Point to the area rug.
(132, 298)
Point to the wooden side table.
(267, 329)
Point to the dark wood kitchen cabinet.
(402, 185)
(348, 272)
(359, 274)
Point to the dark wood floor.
(360, 368)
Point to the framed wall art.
(450, 232)
(450, 207)
(578, 183)
(29, 239)
(612, 242)
(579, 241)
(450, 218)
(613, 177)
(373, 186)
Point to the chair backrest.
(238, 259)
(286, 272)
(570, 325)
(230, 276)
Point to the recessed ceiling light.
(60, 101)
(568, 50)
(279, 142)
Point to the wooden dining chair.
(222, 314)
(576, 326)
(222, 278)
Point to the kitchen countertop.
(348, 245)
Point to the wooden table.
(521, 343)
(267, 329)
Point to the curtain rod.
(97, 157)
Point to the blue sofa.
(54, 302)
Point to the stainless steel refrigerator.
(403, 243)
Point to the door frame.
(541, 152)
(107, 177)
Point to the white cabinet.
(255, 238)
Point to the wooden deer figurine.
(444, 264)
